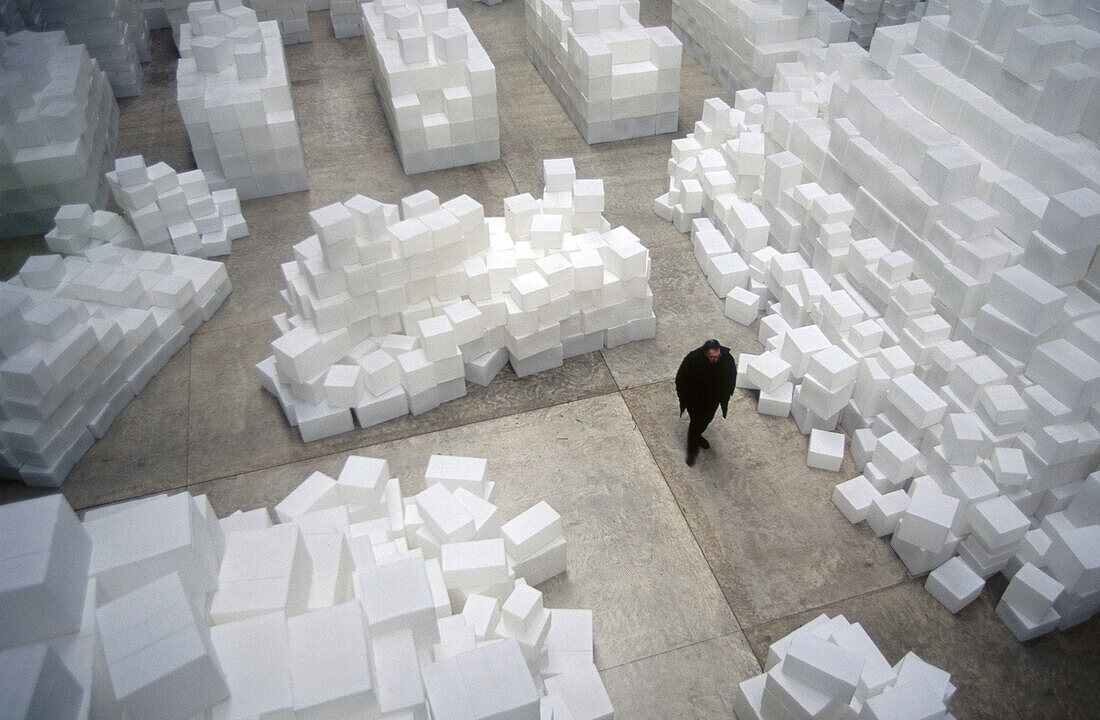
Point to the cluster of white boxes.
(347, 18)
(59, 126)
(234, 96)
(740, 42)
(868, 15)
(289, 14)
(437, 84)
(83, 334)
(921, 251)
(615, 78)
(176, 212)
(356, 603)
(831, 668)
(392, 312)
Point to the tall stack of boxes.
(83, 334)
(347, 606)
(869, 15)
(115, 33)
(390, 312)
(290, 16)
(615, 78)
(740, 42)
(437, 84)
(234, 96)
(59, 122)
(347, 18)
(891, 213)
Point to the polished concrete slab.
(691, 572)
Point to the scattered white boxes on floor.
(831, 668)
(437, 84)
(615, 78)
(357, 602)
(176, 212)
(60, 125)
(81, 335)
(741, 42)
(289, 14)
(919, 223)
(391, 311)
(234, 96)
(113, 31)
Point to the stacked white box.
(868, 16)
(85, 334)
(535, 543)
(289, 14)
(614, 78)
(60, 124)
(114, 32)
(423, 303)
(937, 221)
(347, 18)
(234, 95)
(954, 584)
(830, 667)
(741, 44)
(180, 207)
(1027, 605)
(437, 84)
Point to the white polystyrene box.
(826, 450)
(482, 613)
(823, 665)
(498, 682)
(474, 564)
(362, 480)
(885, 511)
(329, 667)
(998, 522)
(254, 656)
(35, 683)
(317, 492)
(455, 471)
(584, 693)
(396, 671)
(262, 571)
(854, 497)
(397, 595)
(954, 584)
(446, 516)
(1032, 593)
(531, 529)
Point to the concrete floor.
(691, 572)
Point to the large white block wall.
(176, 212)
(922, 247)
(391, 311)
(234, 96)
(740, 42)
(82, 334)
(356, 602)
(58, 129)
(615, 78)
(437, 84)
(830, 667)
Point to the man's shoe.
(703, 443)
(690, 459)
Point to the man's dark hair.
(712, 345)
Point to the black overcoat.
(702, 384)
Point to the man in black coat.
(704, 381)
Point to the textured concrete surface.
(690, 572)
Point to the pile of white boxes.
(347, 18)
(59, 122)
(867, 15)
(78, 228)
(437, 84)
(615, 78)
(290, 16)
(740, 42)
(234, 96)
(357, 602)
(390, 313)
(830, 667)
(81, 335)
(114, 31)
(176, 212)
(922, 252)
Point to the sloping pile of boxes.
(921, 247)
(290, 16)
(830, 667)
(615, 78)
(437, 84)
(176, 212)
(59, 122)
(390, 313)
(78, 228)
(234, 96)
(83, 334)
(739, 42)
(357, 602)
(869, 15)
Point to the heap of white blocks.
(176, 212)
(83, 334)
(830, 667)
(78, 228)
(290, 16)
(113, 31)
(922, 251)
(392, 312)
(358, 601)
(741, 42)
(615, 78)
(59, 123)
(234, 96)
(437, 84)
(869, 15)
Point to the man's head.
(713, 350)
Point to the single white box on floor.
(854, 498)
(262, 571)
(531, 529)
(329, 669)
(776, 402)
(584, 693)
(158, 653)
(397, 595)
(885, 511)
(455, 471)
(254, 656)
(954, 584)
(742, 306)
(44, 556)
(826, 450)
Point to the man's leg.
(700, 418)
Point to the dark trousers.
(701, 416)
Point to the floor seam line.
(671, 650)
